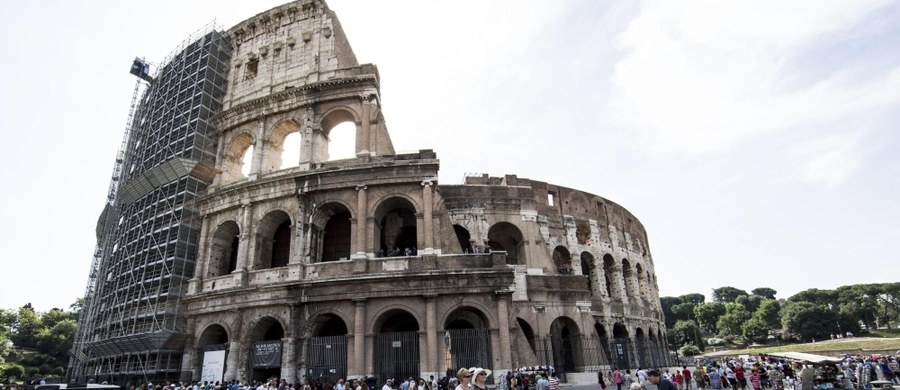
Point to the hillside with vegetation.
(736, 320)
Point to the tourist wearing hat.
(480, 377)
(465, 379)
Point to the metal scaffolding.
(132, 328)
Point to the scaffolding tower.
(132, 329)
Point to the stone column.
(188, 360)
(243, 259)
(621, 287)
(259, 151)
(289, 357)
(370, 236)
(361, 212)
(359, 340)
(428, 217)
(364, 127)
(232, 364)
(503, 323)
(202, 268)
(431, 335)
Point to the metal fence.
(396, 355)
(326, 357)
(469, 348)
(572, 354)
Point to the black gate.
(621, 351)
(470, 348)
(396, 355)
(326, 358)
(572, 354)
(642, 353)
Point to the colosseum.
(364, 266)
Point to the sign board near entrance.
(396, 344)
(266, 354)
(213, 366)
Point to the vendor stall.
(827, 373)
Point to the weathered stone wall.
(494, 255)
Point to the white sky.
(756, 141)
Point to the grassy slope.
(854, 345)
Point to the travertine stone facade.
(501, 272)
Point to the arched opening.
(639, 276)
(528, 333)
(331, 232)
(336, 240)
(609, 268)
(562, 260)
(641, 347)
(213, 343)
(621, 347)
(338, 137)
(627, 279)
(247, 162)
(464, 238)
(283, 146)
(653, 349)
(396, 345)
(467, 339)
(213, 335)
(224, 249)
(266, 349)
(504, 236)
(327, 351)
(274, 240)
(342, 141)
(603, 338)
(237, 159)
(566, 341)
(396, 224)
(588, 269)
(290, 153)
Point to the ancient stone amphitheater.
(369, 266)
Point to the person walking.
(600, 380)
(618, 378)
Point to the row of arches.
(619, 279)
(395, 344)
(570, 348)
(289, 143)
(330, 236)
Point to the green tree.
(57, 340)
(695, 298)
(769, 312)
(683, 311)
(733, 320)
(76, 308)
(764, 292)
(809, 321)
(750, 302)
(687, 332)
(707, 315)
(727, 294)
(27, 325)
(666, 303)
(855, 305)
(689, 350)
(13, 370)
(755, 329)
(813, 295)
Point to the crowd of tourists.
(764, 373)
